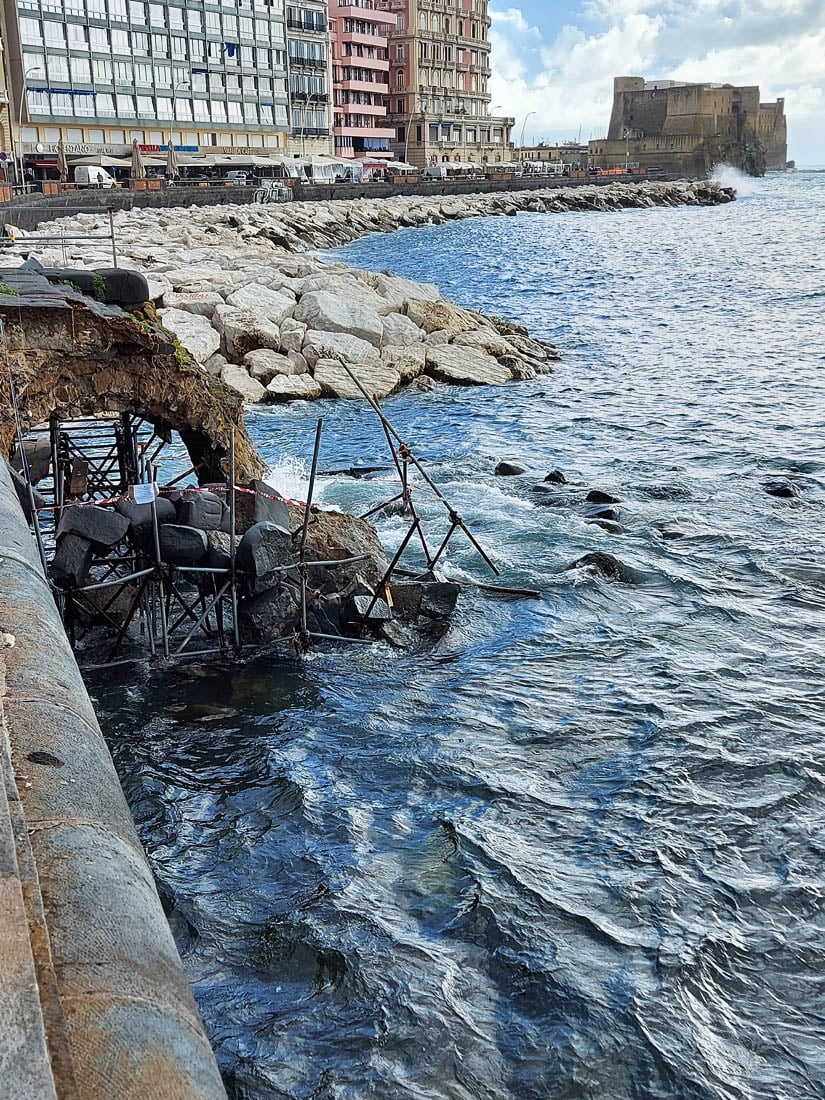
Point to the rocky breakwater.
(275, 326)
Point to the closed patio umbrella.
(138, 167)
(62, 162)
(172, 169)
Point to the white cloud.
(564, 79)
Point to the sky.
(557, 58)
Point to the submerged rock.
(509, 469)
(606, 565)
(780, 487)
(596, 496)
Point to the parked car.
(238, 176)
(92, 175)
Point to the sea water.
(576, 848)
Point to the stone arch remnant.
(74, 357)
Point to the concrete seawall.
(94, 1003)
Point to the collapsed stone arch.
(72, 357)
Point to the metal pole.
(232, 578)
(164, 625)
(454, 517)
(305, 529)
(112, 234)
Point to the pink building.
(360, 77)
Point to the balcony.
(305, 27)
(374, 87)
(308, 63)
(365, 131)
(351, 12)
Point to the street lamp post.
(523, 127)
(26, 75)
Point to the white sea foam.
(728, 176)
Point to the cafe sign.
(77, 149)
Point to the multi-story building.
(360, 77)
(310, 83)
(439, 100)
(6, 141)
(100, 74)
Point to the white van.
(238, 176)
(435, 172)
(92, 175)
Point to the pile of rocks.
(276, 326)
(194, 530)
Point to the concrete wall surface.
(94, 1003)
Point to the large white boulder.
(192, 331)
(293, 387)
(237, 379)
(275, 305)
(292, 334)
(440, 315)
(397, 290)
(409, 361)
(245, 330)
(332, 345)
(400, 331)
(263, 364)
(321, 310)
(484, 339)
(204, 302)
(465, 366)
(378, 379)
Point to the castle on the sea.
(690, 128)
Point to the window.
(81, 70)
(96, 136)
(105, 105)
(55, 34)
(78, 36)
(30, 32)
(125, 104)
(137, 12)
(99, 40)
(157, 16)
(145, 106)
(194, 21)
(102, 68)
(58, 68)
(120, 42)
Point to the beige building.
(690, 128)
(6, 143)
(439, 98)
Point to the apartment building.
(100, 74)
(439, 99)
(6, 140)
(310, 78)
(360, 57)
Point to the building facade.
(6, 140)
(310, 77)
(100, 74)
(690, 128)
(439, 99)
(360, 58)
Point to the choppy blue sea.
(577, 849)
